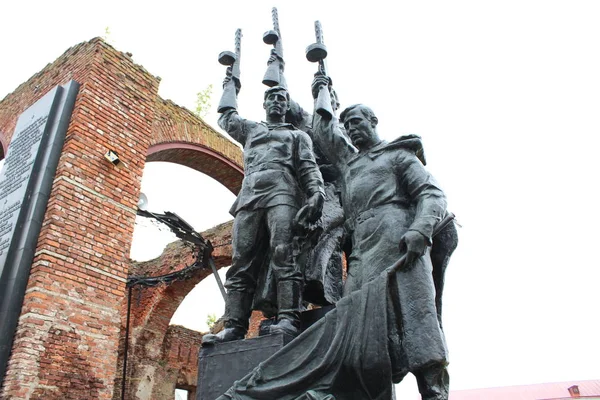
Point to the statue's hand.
(415, 244)
(228, 75)
(320, 80)
(229, 78)
(274, 57)
(315, 207)
(311, 212)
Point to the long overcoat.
(386, 324)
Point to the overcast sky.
(506, 95)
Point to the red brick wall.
(66, 344)
(179, 136)
(148, 376)
(66, 341)
(181, 352)
(177, 367)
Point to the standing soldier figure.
(392, 205)
(280, 172)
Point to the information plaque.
(25, 184)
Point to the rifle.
(231, 87)
(274, 75)
(317, 52)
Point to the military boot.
(237, 314)
(289, 299)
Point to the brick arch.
(88, 226)
(155, 358)
(202, 159)
(181, 137)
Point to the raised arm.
(328, 134)
(299, 117)
(236, 126)
(332, 142)
(230, 121)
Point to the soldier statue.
(280, 175)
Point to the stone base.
(222, 364)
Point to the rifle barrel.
(229, 97)
(275, 17)
(319, 32)
(279, 44)
(235, 70)
(319, 37)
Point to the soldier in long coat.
(391, 205)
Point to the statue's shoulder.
(300, 136)
(410, 143)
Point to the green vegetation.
(203, 102)
(211, 320)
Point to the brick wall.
(179, 136)
(177, 367)
(66, 341)
(163, 357)
(181, 352)
(152, 372)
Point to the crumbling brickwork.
(212, 154)
(181, 351)
(68, 334)
(80, 267)
(152, 370)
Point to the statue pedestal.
(222, 364)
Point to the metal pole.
(126, 347)
(217, 277)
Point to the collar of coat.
(412, 143)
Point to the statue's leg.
(241, 277)
(288, 275)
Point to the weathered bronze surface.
(382, 208)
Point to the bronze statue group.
(317, 188)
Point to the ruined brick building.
(69, 340)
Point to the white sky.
(506, 95)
